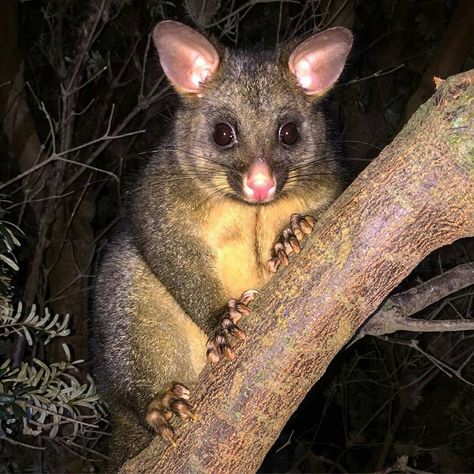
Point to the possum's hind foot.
(300, 227)
(219, 344)
(162, 408)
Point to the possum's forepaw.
(219, 345)
(300, 227)
(162, 408)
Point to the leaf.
(52, 322)
(12, 264)
(67, 351)
(27, 335)
(31, 315)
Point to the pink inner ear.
(318, 62)
(188, 59)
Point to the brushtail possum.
(246, 169)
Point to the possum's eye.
(288, 134)
(223, 134)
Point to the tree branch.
(394, 314)
(415, 197)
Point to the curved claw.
(212, 356)
(237, 332)
(283, 257)
(161, 409)
(219, 345)
(300, 226)
(237, 310)
(182, 408)
(273, 264)
(179, 390)
(248, 296)
(290, 242)
(229, 353)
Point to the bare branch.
(447, 369)
(394, 314)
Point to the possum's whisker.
(218, 192)
(308, 176)
(201, 157)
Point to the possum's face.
(250, 127)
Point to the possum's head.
(250, 126)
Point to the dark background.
(81, 102)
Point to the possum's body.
(248, 149)
(144, 339)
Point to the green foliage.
(8, 241)
(41, 400)
(44, 327)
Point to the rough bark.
(416, 196)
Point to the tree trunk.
(418, 195)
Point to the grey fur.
(160, 249)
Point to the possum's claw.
(219, 345)
(248, 296)
(300, 226)
(162, 408)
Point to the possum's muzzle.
(259, 183)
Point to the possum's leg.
(219, 344)
(289, 242)
(142, 342)
(129, 436)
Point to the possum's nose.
(259, 183)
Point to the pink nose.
(258, 183)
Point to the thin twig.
(18, 443)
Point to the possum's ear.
(318, 62)
(187, 58)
